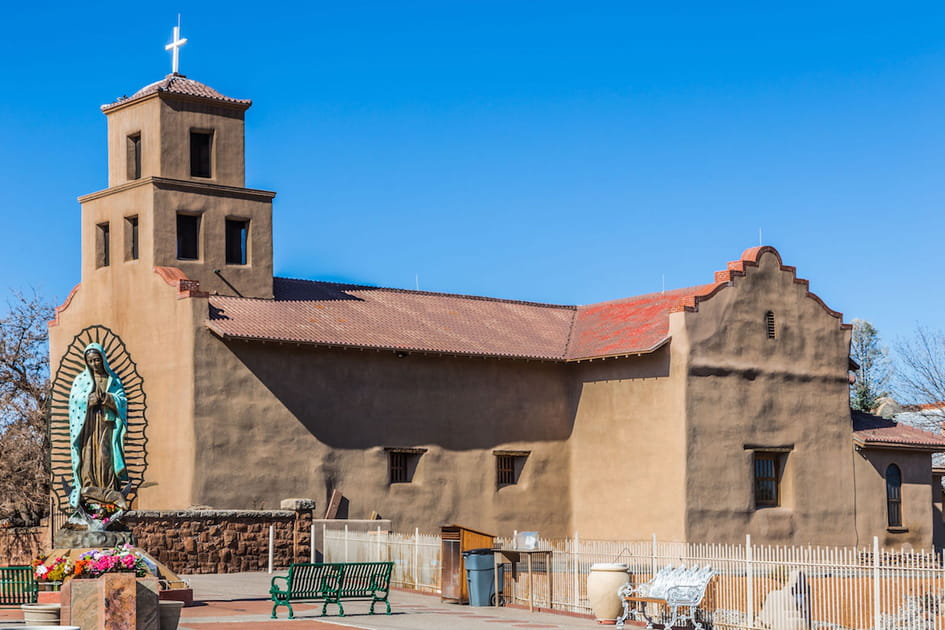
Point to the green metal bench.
(17, 586)
(331, 583)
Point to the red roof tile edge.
(55, 320)
(881, 432)
(324, 344)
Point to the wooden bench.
(331, 583)
(17, 586)
(677, 588)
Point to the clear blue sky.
(558, 152)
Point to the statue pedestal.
(115, 601)
(85, 539)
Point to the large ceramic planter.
(602, 585)
(170, 613)
(41, 614)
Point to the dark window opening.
(402, 463)
(237, 239)
(200, 148)
(102, 245)
(398, 467)
(131, 238)
(767, 479)
(894, 496)
(769, 324)
(509, 466)
(188, 236)
(134, 156)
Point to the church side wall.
(627, 468)
(276, 421)
(916, 506)
(157, 329)
(786, 397)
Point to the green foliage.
(874, 374)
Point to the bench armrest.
(274, 588)
(626, 590)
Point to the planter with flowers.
(102, 585)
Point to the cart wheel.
(501, 600)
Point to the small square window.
(188, 236)
(102, 245)
(509, 466)
(237, 241)
(767, 479)
(131, 238)
(201, 145)
(402, 463)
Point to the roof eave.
(898, 446)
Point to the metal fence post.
(346, 542)
(416, 558)
(271, 546)
(577, 580)
(311, 544)
(653, 557)
(876, 607)
(749, 582)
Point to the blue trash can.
(480, 576)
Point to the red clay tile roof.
(330, 314)
(870, 430)
(326, 313)
(178, 84)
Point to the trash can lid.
(609, 566)
(481, 551)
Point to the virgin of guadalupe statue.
(98, 421)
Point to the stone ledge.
(133, 515)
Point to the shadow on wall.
(361, 399)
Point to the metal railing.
(759, 587)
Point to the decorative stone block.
(115, 601)
(298, 505)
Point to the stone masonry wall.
(222, 541)
(19, 545)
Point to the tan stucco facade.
(659, 442)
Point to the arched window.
(894, 495)
(769, 324)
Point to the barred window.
(402, 463)
(894, 496)
(767, 479)
(769, 324)
(509, 466)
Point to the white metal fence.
(758, 586)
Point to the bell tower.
(176, 193)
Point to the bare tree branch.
(24, 396)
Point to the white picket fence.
(832, 588)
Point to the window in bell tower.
(102, 245)
(201, 145)
(131, 238)
(188, 236)
(134, 156)
(237, 241)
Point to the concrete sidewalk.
(239, 601)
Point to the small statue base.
(85, 539)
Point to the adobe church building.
(698, 414)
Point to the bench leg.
(276, 605)
(291, 612)
(622, 618)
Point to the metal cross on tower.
(175, 47)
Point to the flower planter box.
(112, 599)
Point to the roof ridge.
(465, 296)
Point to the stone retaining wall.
(223, 541)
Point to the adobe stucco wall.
(627, 464)
(19, 545)
(746, 391)
(142, 309)
(917, 499)
(277, 420)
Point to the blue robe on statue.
(97, 431)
